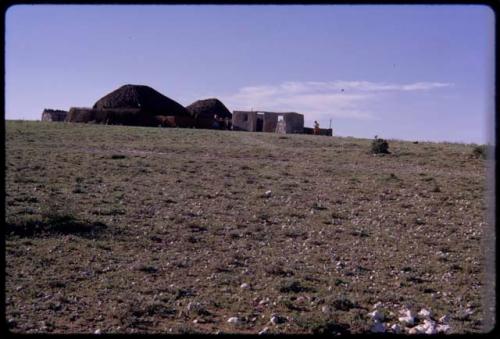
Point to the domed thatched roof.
(140, 97)
(207, 108)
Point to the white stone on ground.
(444, 319)
(407, 317)
(276, 319)
(264, 330)
(428, 327)
(396, 328)
(468, 311)
(264, 301)
(376, 315)
(442, 328)
(424, 314)
(233, 320)
(194, 306)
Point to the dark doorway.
(260, 124)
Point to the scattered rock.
(444, 319)
(428, 327)
(442, 328)
(378, 327)
(234, 320)
(318, 206)
(277, 319)
(264, 301)
(424, 314)
(414, 330)
(466, 314)
(264, 330)
(325, 309)
(98, 331)
(245, 286)
(301, 299)
(193, 306)
(376, 315)
(407, 317)
(396, 328)
(12, 323)
(267, 194)
(377, 305)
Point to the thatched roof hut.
(135, 105)
(207, 108)
(204, 111)
(140, 97)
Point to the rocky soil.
(113, 229)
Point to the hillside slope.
(130, 229)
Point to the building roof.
(207, 108)
(140, 97)
(281, 113)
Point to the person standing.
(316, 128)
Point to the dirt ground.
(114, 229)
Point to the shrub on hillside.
(479, 151)
(380, 146)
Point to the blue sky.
(400, 72)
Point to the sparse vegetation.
(379, 146)
(480, 151)
(177, 233)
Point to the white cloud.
(292, 86)
(320, 100)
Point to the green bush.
(380, 146)
(479, 151)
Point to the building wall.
(270, 122)
(293, 122)
(53, 115)
(81, 114)
(244, 121)
(46, 116)
(322, 131)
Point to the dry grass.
(128, 229)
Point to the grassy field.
(129, 229)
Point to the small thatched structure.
(140, 97)
(54, 115)
(135, 105)
(205, 112)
